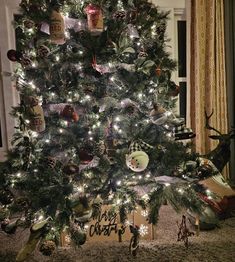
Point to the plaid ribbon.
(182, 132)
(139, 145)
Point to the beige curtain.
(207, 70)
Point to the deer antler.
(207, 122)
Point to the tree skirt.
(216, 245)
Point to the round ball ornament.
(47, 247)
(43, 51)
(29, 24)
(137, 161)
(14, 56)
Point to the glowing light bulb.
(119, 183)
(57, 58)
(27, 121)
(117, 118)
(18, 174)
(34, 134)
(61, 130)
(167, 184)
(47, 141)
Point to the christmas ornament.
(173, 89)
(181, 132)
(36, 114)
(70, 169)
(43, 51)
(26, 61)
(138, 160)
(85, 156)
(158, 71)
(47, 247)
(6, 197)
(29, 24)
(95, 19)
(57, 28)
(50, 162)
(205, 170)
(184, 232)
(69, 114)
(132, 31)
(14, 56)
(132, 15)
(78, 235)
(159, 115)
(119, 15)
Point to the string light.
(18, 174)
(34, 134)
(119, 182)
(47, 141)
(61, 130)
(57, 58)
(167, 184)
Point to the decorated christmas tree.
(95, 123)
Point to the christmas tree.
(96, 122)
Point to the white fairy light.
(148, 175)
(61, 130)
(168, 113)
(120, 131)
(91, 138)
(140, 177)
(35, 170)
(52, 94)
(98, 123)
(208, 191)
(33, 64)
(86, 226)
(167, 184)
(34, 134)
(87, 97)
(47, 141)
(143, 230)
(115, 127)
(117, 119)
(57, 58)
(112, 78)
(180, 190)
(140, 95)
(89, 132)
(69, 100)
(80, 52)
(41, 217)
(151, 90)
(118, 201)
(18, 174)
(119, 182)
(67, 35)
(27, 121)
(138, 43)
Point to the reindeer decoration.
(221, 154)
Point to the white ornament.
(137, 161)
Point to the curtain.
(207, 71)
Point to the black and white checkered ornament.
(181, 132)
(137, 160)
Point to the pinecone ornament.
(119, 15)
(142, 54)
(47, 247)
(29, 24)
(50, 162)
(25, 61)
(43, 51)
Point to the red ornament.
(174, 89)
(14, 56)
(84, 156)
(69, 113)
(95, 19)
(158, 71)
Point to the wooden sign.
(107, 227)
